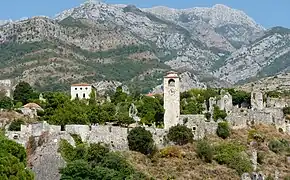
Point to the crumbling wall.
(276, 103)
(238, 119)
(199, 125)
(115, 137)
(257, 100)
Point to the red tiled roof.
(81, 84)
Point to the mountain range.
(104, 43)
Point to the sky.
(268, 13)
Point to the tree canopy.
(13, 161)
(23, 93)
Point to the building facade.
(171, 99)
(81, 91)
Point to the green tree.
(223, 130)
(218, 114)
(94, 161)
(180, 135)
(92, 99)
(119, 96)
(123, 119)
(6, 103)
(140, 140)
(23, 93)
(16, 125)
(150, 110)
(240, 97)
(13, 161)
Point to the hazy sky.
(266, 12)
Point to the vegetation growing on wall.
(95, 161)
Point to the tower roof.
(171, 74)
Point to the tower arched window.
(171, 82)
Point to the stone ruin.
(6, 86)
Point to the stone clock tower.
(171, 99)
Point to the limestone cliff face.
(266, 56)
(104, 42)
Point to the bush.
(286, 110)
(225, 152)
(278, 146)
(231, 155)
(256, 136)
(96, 152)
(141, 140)
(260, 157)
(180, 135)
(6, 103)
(16, 125)
(171, 151)
(204, 151)
(241, 164)
(223, 130)
(219, 114)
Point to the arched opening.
(280, 130)
(171, 82)
(84, 95)
(77, 95)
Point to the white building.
(81, 91)
(171, 99)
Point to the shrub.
(171, 151)
(204, 151)
(6, 103)
(16, 125)
(256, 136)
(180, 135)
(223, 130)
(278, 146)
(231, 155)
(141, 140)
(219, 114)
(96, 152)
(260, 157)
(241, 164)
(207, 116)
(286, 110)
(225, 152)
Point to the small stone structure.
(6, 85)
(257, 100)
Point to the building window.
(171, 82)
(194, 128)
(86, 88)
(76, 88)
(81, 88)
(77, 95)
(84, 95)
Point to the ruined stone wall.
(277, 103)
(199, 125)
(6, 85)
(238, 119)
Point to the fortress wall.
(238, 119)
(81, 130)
